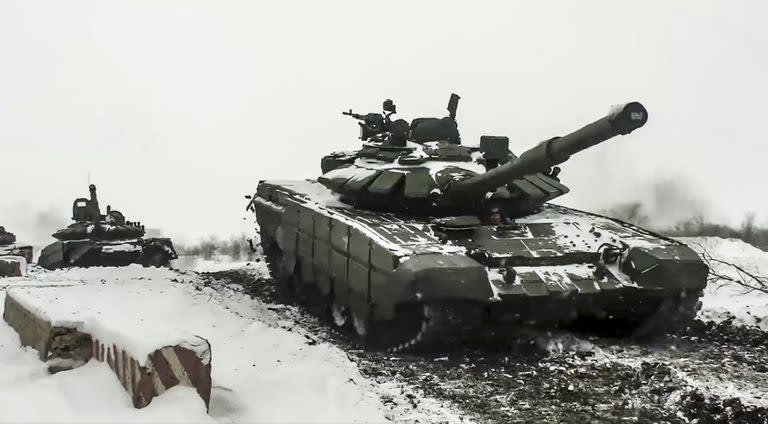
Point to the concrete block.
(64, 347)
(12, 266)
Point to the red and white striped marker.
(162, 369)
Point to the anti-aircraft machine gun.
(103, 240)
(380, 127)
(415, 236)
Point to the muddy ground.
(706, 373)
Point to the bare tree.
(749, 281)
(236, 247)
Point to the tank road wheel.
(360, 325)
(407, 330)
(340, 315)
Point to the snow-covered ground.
(729, 301)
(265, 368)
(216, 263)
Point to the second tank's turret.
(89, 223)
(96, 239)
(421, 168)
(9, 247)
(6, 237)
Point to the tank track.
(671, 315)
(443, 326)
(431, 326)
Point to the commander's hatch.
(80, 209)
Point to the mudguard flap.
(668, 267)
(163, 244)
(435, 277)
(52, 256)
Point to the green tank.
(9, 247)
(96, 239)
(416, 236)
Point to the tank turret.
(9, 247)
(91, 224)
(428, 172)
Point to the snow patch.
(112, 314)
(727, 300)
(263, 369)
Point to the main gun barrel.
(621, 120)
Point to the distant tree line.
(236, 247)
(695, 226)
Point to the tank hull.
(14, 259)
(559, 265)
(17, 250)
(119, 252)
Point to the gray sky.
(176, 109)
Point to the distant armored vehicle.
(103, 240)
(9, 247)
(416, 236)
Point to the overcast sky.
(176, 109)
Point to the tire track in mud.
(706, 373)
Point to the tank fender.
(268, 215)
(65, 253)
(666, 267)
(52, 256)
(269, 218)
(163, 243)
(434, 277)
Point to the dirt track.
(708, 373)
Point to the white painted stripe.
(159, 388)
(176, 367)
(119, 366)
(137, 374)
(129, 376)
